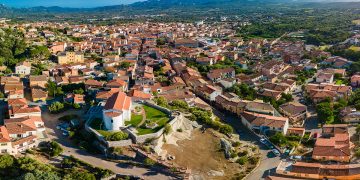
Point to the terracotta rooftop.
(118, 101)
(4, 134)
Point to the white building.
(264, 123)
(23, 68)
(116, 111)
(19, 134)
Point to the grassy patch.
(324, 47)
(153, 115)
(357, 21)
(354, 48)
(135, 120)
(98, 124)
(339, 82)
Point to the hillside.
(173, 7)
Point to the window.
(19, 136)
(4, 151)
(112, 121)
(3, 144)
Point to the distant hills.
(159, 6)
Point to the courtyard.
(147, 119)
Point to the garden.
(97, 124)
(150, 121)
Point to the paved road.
(96, 160)
(268, 161)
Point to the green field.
(354, 48)
(153, 115)
(135, 120)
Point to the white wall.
(113, 123)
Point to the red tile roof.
(4, 134)
(118, 101)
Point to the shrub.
(76, 106)
(53, 149)
(243, 153)
(254, 160)
(167, 129)
(56, 107)
(357, 152)
(233, 155)
(6, 161)
(226, 129)
(242, 160)
(149, 162)
(118, 136)
(236, 144)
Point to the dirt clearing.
(203, 155)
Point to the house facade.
(23, 68)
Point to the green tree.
(279, 139)
(242, 160)
(161, 101)
(226, 129)
(75, 174)
(180, 104)
(54, 149)
(76, 106)
(78, 91)
(28, 176)
(243, 91)
(149, 162)
(40, 175)
(118, 136)
(325, 112)
(56, 107)
(125, 65)
(39, 52)
(6, 161)
(53, 89)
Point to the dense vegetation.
(197, 114)
(319, 26)
(13, 49)
(29, 169)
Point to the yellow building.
(70, 57)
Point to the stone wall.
(101, 138)
(175, 123)
(126, 142)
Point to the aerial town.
(175, 100)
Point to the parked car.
(65, 133)
(63, 126)
(295, 157)
(263, 141)
(276, 152)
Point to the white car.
(263, 141)
(276, 152)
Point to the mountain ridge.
(159, 6)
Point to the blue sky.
(64, 3)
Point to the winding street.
(268, 163)
(51, 121)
